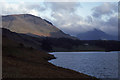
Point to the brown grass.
(22, 62)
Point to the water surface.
(98, 64)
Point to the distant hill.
(19, 61)
(30, 24)
(60, 44)
(96, 34)
(47, 43)
(27, 40)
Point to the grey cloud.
(113, 21)
(110, 26)
(105, 9)
(20, 8)
(67, 20)
(63, 15)
(72, 24)
(61, 6)
(89, 19)
(35, 6)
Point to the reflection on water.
(98, 64)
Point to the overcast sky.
(71, 17)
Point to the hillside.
(61, 44)
(27, 40)
(47, 43)
(96, 34)
(19, 61)
(30, 24)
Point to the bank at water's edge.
(97, 64)
(24, 62)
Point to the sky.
(71, 17)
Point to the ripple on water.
(98, 64)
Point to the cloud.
(61, 6)
(104, 9)
(110, 26)
(66, 18)
(72, 23)
(64, 15)
(21, 8)
(35, 6)
(106, 17)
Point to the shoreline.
(61, 60)
(79, 51)
(21, 62)
(43, 70)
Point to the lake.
(98, 64)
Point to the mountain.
(96, 34)
(20, 61)
(27, 40)
(30, 24)
(59, 44)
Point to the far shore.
(85, 51)
(22, 62)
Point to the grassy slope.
(21, 62)
(27, 23)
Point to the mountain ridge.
(27, 23)
(96, 34)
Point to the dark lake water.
(98, 64)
